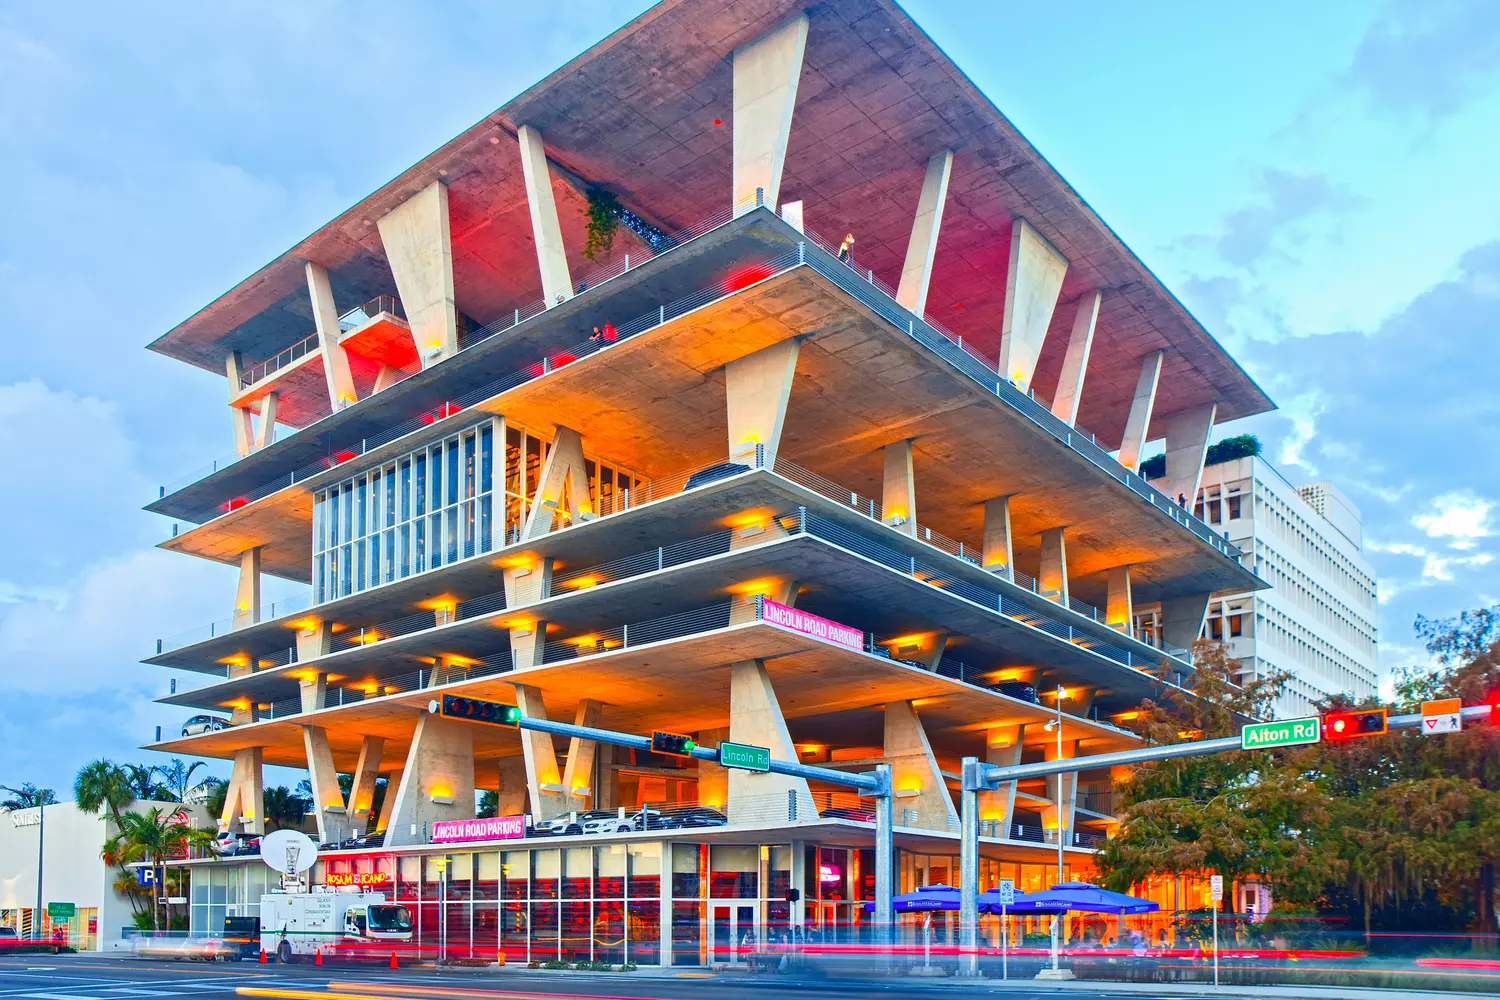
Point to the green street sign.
(1286, 733)
(61, 911)
(747, 758)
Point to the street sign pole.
(1216, 890)
(968, 877)
(1007, 891)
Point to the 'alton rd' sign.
(1287, 733)
(818, 628)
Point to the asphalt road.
(88, 977)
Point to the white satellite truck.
(298, 923)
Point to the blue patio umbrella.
(926, 899)
(1082, 897)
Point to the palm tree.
(153, 837)
(177, 776)
(102, 783)
(28, 796)
(283, 810)
(142, 782)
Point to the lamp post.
(41, 829)
(1062, 693)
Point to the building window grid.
(435, 506)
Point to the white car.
(199, 724)
(576, 824)
(601, 821)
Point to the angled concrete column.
(386, 377)
(563, 485)
(244, 799)
(437, 782)
(756, 390)
(512, 796)
(239, 416)
(1187, 447)
(362, 791)
(606, 778)
(1031, 287)
(916, 273)
(755, 718)
(314, 692)
(922, 798)
(1182, 620)
(1076, 361)
(313, 641)
(327, 796)
(549, 796)
(1062, 791)
(265, 428)
(388, 803)
(527, 644)
(551, 255)
(1119, 609)
(898, 494)
(335, 360)
(419, 250)
(528, 584)
(1053, 578)
(1138, 422)
(996, 554)
(713, 780)
(766, 72)
(925, 649)
(247, 593)
(1002, 747)
(578, 776)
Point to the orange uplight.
(584, 582)
(236, 660)
(1128, 716)
(518, 623)
(765, 586)
(1011, 674)
(521, 560)
(456, 660)
(365, 638)
(442, 602)
(584, 640)
(748, 518)
(909, 783)
(440, 790)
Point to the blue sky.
(1316, 181)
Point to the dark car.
(692, 817)
(364, 840)
(243, 934)
(1019, 690)
(714, 473)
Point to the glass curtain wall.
(437, 505)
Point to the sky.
(1315, 181)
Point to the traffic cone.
(263, 956)
(318, 957)
(393, 960)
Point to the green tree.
(153, 837)
(1238, 814)
(284, 810)
(177, 777)
(103, 784)
(28, 796)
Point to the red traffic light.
(1352, 725)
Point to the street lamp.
(1055, 726)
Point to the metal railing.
(870, 508)
(816, 253)
(269, 612)
(362, 314)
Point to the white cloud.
(1461, 517)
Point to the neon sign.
(358, 878)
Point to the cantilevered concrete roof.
(636, 114)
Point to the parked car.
(576, 824)
(1017, 689)
(231, 844)
(199, 724)
(603, 821)
(714, 473)
(647, 819)
(692, 817)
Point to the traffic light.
(489, 713)
(1352, 725)
(672, 744)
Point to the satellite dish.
(288, 851)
